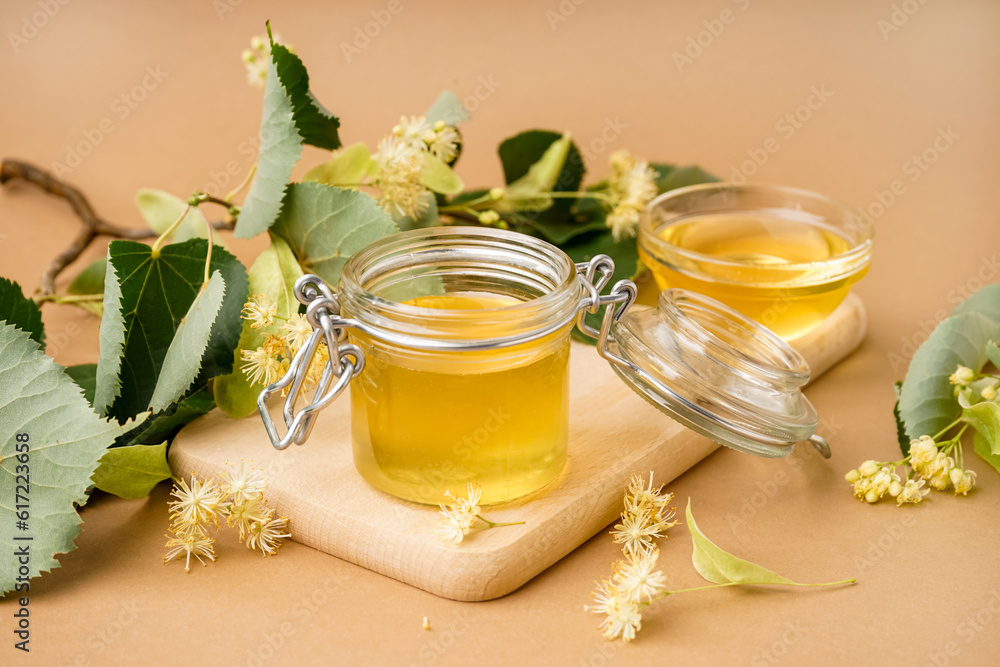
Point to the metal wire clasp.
(344, 362)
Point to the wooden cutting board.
(613, 433)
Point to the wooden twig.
(93, 225)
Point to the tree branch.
(93, 225)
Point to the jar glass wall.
(427, 419)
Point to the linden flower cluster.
(932, 462)
(631, 185)
(634, 581)
(270, 361)
(458, 518)
(239, 498)
(257, 57)
(400, 159)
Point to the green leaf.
(325, 225)
(183, 359)
(722, 567)
(520, 152)
(280, 149)
(132, 472)
(147, 306)
(161, 209)
(90, 280)
(163, 426)
(21, 312)
(112, 338)
(85, 376)
(904, 442)
(448, 109)
(985, 451)
(985, 418)
(530, 191)
(439, 177)
(670, 177)
(274, 274)
(317, 126)
(347, 167)
(927, 402)
(625, 254)
(66, 441)
(993, 354)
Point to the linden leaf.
(346, 168)
(985, 418)
(317, 126)
(325, 225)
(280, 149)
(163, 426)
(993, 353)
(986, 452)
(85, 376)
(520, 152)
(132, 472)
(530, 191)
(90, 280)
(927, 401)
(65, 442)
(20, 311)
(670, 177)
(904, 442)
(183, 359)
(273, 274)
(439, 177)
(448, 109)
(145, 306)
(161, 209)
(721, 567)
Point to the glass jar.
(456, 341)
(781, 256)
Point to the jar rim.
(550, 269)
(861, 225)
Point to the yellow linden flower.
(621, 611)
(252, 510)
(261, 366)
(632, 185)
(456, 519)
(243, 482)
(259, 311)
(912, 492)
(400, 167)
(267, 535)
(637, 531)
(637, 578)
(191, 541)
(297, 331)
(197, 503)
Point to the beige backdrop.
(155, 96)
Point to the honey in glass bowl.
(783, 257)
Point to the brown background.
(925, 574)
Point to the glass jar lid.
(715, 371)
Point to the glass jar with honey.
(455, 343)
(781, 256)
